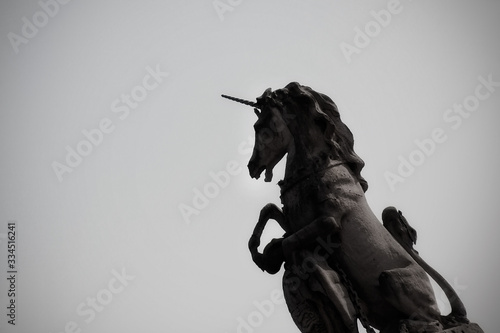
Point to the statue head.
(300, 118)
(272, 136)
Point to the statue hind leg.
(408, 289)
(400, 229)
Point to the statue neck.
(308, 151)
(305, 160)
(296, 173)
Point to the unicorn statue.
(341, 265)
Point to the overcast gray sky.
(126, 172)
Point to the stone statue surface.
(341, 264)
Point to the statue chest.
(332, 192)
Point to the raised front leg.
(273, 257)
(269, 212)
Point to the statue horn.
(242, 101)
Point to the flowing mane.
(325, 114)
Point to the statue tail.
(404, 234)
